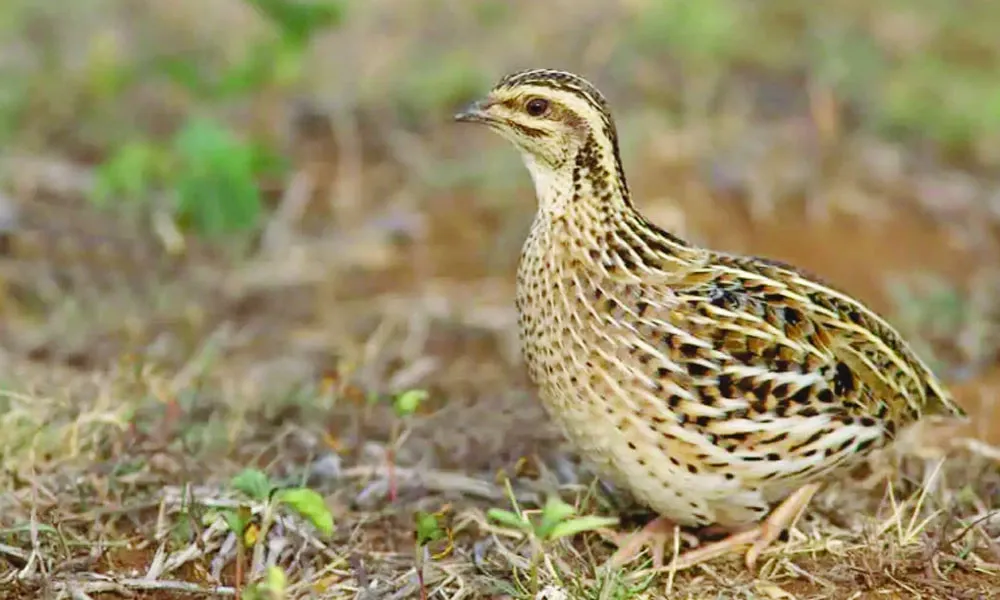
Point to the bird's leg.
(758, 537)
(654, 535)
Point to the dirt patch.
(981, 397)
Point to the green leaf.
(265, 64)
(27, 527)
(408, 402)
(299, 20)
(557, 510)
(428, 528)
(287, 64)
(508, 519)
(187, 73)
(216, 183)
(311, 505)
(253, 483)
(276, 581)
(131, 172)
(580, 525)
(236, 523)
(554, 512)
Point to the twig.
(435, 480)
(14, 554)
(162, 529)
(34, 557)
(291, 208)
(358, 567)
(78, 594)
(100, 583)
(177, 559)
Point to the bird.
(720, 390)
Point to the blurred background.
(233, 232)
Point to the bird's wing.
(786, 377)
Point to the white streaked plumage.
(707, 384)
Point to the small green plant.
(555, 520)
(272, 587)
(131, 171)
(216, 188)
(405, 405)
(408, 402)
(251, 529)
(306, 502)
(208, 173)
(428, 529)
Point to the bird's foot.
(758, 537)
(655, 535)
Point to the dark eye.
(536, 107)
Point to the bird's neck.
(586, 202)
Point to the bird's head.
(559, 122)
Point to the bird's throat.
(587, 201)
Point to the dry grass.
(138, 375)
(99, 504)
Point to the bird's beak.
(474, 113)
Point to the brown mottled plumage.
(711, 386)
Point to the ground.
(146, 359)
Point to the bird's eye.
(536, 107)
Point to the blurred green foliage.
(703, 31)
(210, 172)
(216, 178)
(273, 62)
(948, 326)
(74, 79)
(916, 69)
(454, 79)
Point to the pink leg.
(758, 537)
(655, 535)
